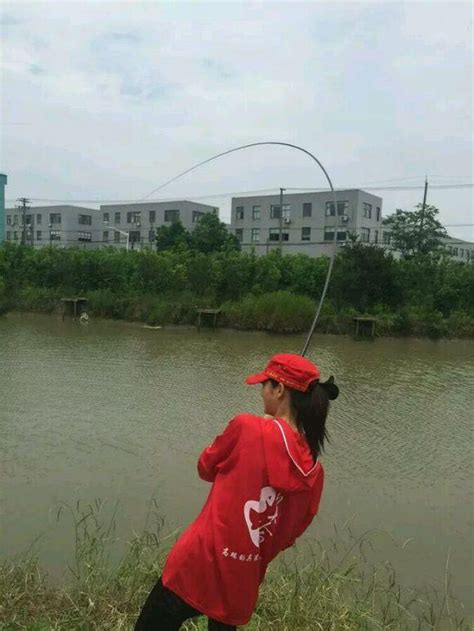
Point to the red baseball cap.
(289, 369)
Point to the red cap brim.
(259, 377)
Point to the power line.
(192, 197)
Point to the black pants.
(165, 611)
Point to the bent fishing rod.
(313, 157)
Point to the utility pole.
(281, 218)
(24, 201)
(420, 243)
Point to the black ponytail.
(310, 410)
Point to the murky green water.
(121, 412)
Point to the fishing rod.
(313, 157)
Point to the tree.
(364, 276)
(211, 235)
(169, 237)
(415, 232)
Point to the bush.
(281, 312)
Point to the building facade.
(459, 249)
(112, 225)
(62, 225)
(309, 223)
(140, 220)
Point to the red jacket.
(265, 493)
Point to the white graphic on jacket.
(261, 515)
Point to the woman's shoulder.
(247, 419)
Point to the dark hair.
(310, 409)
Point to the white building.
(63, 225)
(140, 220)
(309, 221)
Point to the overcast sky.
(108, 100)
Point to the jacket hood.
(288, 458)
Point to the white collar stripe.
(289, 453)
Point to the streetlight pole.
(127, 235)
(281, 218)
(50, 225)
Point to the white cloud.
(110, 99)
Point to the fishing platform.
(75, 306)
(364, 326)
(207, 312)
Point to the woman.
(266, 486)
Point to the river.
(116, 411)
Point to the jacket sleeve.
(311, 512)
(212, 458)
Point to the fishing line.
(313, 157)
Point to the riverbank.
(339, 590)
(276, 312)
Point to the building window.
(85, 220)
(134, 236)
(152, 216)
(386, 236)
(255, 238)
(117, 237)
(15, 236)
(39, 218)
(455, 251)
(9, 220)
(275, 211)
(38, 235)
(342, 208)
(239, 233)
(341, 235)
(305, 234)
(239, 212)
(329, 233)
(307, 209)
(274, 234)
(376, 236)
(9, 235)
(377, 213)
(461, 252)
(106, 217)
(84, 236)
(151, 235)
(55, 218)
(117, 218)
(55, 235)
(256, 211)
(133, 216)
(197, 215)
(367, 210)
(15, 220)
(172, 215)
(365, 235)
(105, 236)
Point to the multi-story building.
(459, 249)
(114, 224)
(309, 221)
(63, 225)
(140, 220)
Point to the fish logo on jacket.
(260, 515)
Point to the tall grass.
(337, 591)
(278, 312)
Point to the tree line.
(208, 269)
